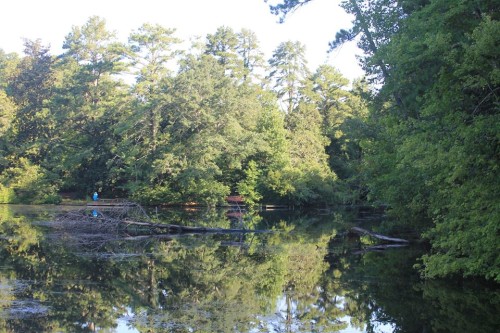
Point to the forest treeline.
(152, 121)
(148, 120)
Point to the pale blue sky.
(314, 25)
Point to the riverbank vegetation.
(432, 149)
(149, 120)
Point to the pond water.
(307, 275)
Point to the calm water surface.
(308, 275)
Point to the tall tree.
(250, 53)
(27, 142)
(288, 72)
(455, 97)
(153, 51)
(428, 163)
(31, 88)
(374, 23)
(223, 46)
(8, 63)
(7, 113)
(274, 160)
(95, 49)
(312, 178)
(343, 112)
(91, 97)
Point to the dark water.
(306, 276)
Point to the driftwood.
(362, 231)
(379, 248)
(101, 227)
(127, 217)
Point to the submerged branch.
(379, 248)
(362, 231)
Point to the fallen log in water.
(175, 228)
(379, 248)
(362, 231)
(127, 219)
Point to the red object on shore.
(235, 199)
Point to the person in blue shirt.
(95, 196)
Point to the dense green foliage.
(442, 143)
(149, 120)
(432, 149)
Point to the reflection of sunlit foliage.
(19, 309)
(221, 288)
(306, 302)
(271, 282)
(19, 237)
(6, 296)
(209, 287)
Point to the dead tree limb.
(379, 248)
(362, 231)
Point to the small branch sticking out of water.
(362, 231)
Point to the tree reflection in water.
(300, 278)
